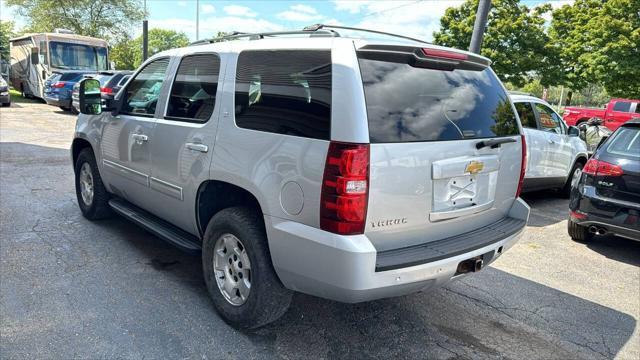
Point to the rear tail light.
(523, 165)
(345, 189)
(444, 54)
(577, 215)
(106, 90)
(58, 84)
(595, 167)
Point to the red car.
(616, 113)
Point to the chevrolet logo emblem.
(474, 167)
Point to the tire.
(578, 233)
(63, 108)
(73, 110)
(267, 298)
(575, 173)
(98, 207)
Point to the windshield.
(406, 103)
(78, 56)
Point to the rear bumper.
(618, 217)
(56, 101)
(4, 99)
(346, 268)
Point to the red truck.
(616, 113)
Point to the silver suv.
(339, 167)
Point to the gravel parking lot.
(70, 288)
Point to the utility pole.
(145, 34)
(197, 20)
(480, 24)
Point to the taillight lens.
(523, 165)
(444, 54)
(345, 187)
(106, 90)
(58, 85)
(595, 167)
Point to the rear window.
(626, 142)
(622, 106)
(406, 103)
(70, 77)
(103, 79)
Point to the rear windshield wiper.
(494, 143)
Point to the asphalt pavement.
(71, 288)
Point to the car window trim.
(173, 81)
(133, 76)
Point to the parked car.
(110, 84)
(614, 114)
(281, 168)
(606, 198)
(5, 97)
(555, 152)
(58, 88)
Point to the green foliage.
(6, 32)
(514, 40)
(127, 53)
(108, 19)
(598, 41)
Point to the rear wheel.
(578, 232)
(93, 198)
(238, 272)
(64, 108)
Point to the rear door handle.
(140, 137)
(197, 147)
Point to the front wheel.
(238, 272)
(93, 198)
(573, 179)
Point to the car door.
(127, 137)
(537, 146)
(559, 148)
(621, 112)
(184, 139)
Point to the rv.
(34, 57)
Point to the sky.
(415, 18)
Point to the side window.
(637, 108)
(141, 96)
(549, 120)
(284, 92)
(44, 58)
(526, 114)
(623, 106)
(193, 95)
(124, 80)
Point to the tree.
(127, 53)
(597, 42)
(514, 40)
(6, 32)
(110, 19)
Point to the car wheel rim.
(576, 177)
(232, 269)
(86, 184)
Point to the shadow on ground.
(74, 288)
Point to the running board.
(170, 233)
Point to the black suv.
(606, 198)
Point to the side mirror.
(89, 97)
(35, 56)
(573, 131)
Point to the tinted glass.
(526, 114)
(71, 77)
(285, 92)
(193, 95)
(405, 103)
(549, 120)
(124, 80)
(103, 79)
(626, 142)
(143, 91)
(622, 106)
(637, 108)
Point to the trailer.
(34, 57)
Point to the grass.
(17, 98)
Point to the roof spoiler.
(428, 57)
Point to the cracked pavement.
(70, 288)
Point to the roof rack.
(320, 30)
(257, 36)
